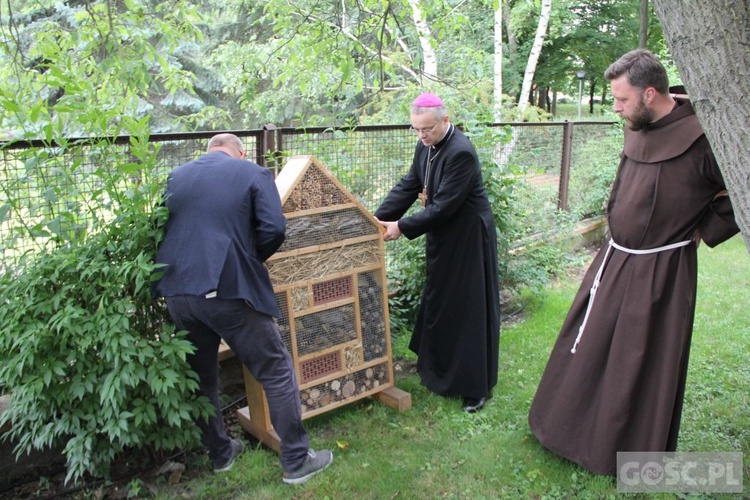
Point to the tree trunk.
(498, 91)
(709, 41)
(512, 42)
(643, 35)
(430, 69)
(541, 32)
(554, 103)
(541, 97)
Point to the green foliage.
(594, 167)
(533, 235)
(241, 64)
(535, 262)
(408, 274)
(80, 69)
(88, 358)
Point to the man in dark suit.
(225, 220)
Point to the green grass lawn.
(435, 450)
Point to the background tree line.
(78, 67)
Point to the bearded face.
(630, 104)
(640, 117)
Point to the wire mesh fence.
(50, 193)
(367, 160)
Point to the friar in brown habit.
(615, 379)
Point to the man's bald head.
(229, 143)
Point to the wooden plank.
(329, 277)
(324, 307)
(290, 175)
(386, 318)
(266, 436)
(334, 376)
(256, 401)
(320, 210)
(395, 398)
(225, 352)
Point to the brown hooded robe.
(623, 388)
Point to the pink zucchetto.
(427, 100)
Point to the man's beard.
(641, 119)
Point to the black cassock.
(457, 331)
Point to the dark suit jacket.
(225, 220)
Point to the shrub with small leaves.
(89, 359)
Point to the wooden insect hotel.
(329, 280)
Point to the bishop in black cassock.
(457, 330)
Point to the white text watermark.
(679, 472)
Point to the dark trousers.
(255, 340)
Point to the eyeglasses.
(425, 130)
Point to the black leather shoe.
(472, 405)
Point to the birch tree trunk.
(425, 37)
(509, 34)
(536, 49)
(498, 63)
(709, 41)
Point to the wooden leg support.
(395, 398)
(256, 420)
(255, 417)
(265, 435)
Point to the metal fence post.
(567, 148)
(267, 148)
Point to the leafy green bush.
(407, 274)
(519, 212)
(501, 184)
(532, 246)
(595, 165)
(88, 358)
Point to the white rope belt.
(598, 277)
